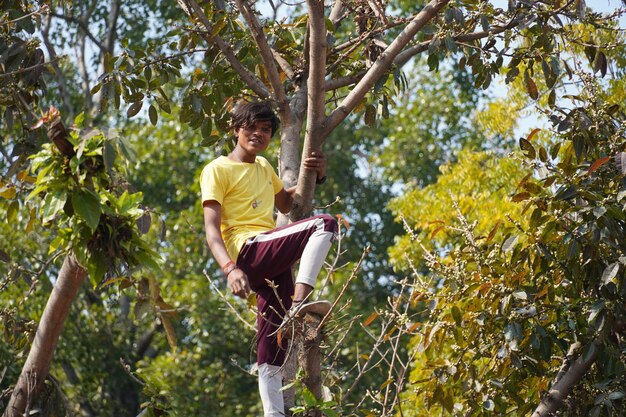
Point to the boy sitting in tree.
(239, 193)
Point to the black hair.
(247, 114)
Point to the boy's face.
(256, 138)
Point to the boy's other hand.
(238, 283)
(317, 163)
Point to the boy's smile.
(252, 140)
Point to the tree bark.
(570, 374)
(37, 365)
(313, 139)
(309, 357)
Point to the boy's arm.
(283, 200)
(237, 279)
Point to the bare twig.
(229, 304)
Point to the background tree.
(517, 310)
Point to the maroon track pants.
(270, 257)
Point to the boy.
(239, 193)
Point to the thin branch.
(42, 10)
(408, 53)
(57, 70)
(83, 26)
(264, 49)
(382, 64)
(228, 303)
(27, 69)
(366, 251)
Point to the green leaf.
(457, 315)
(309, 398)
(95, 88)
(433, 62)
(206, 128)
(610, 272)
(153, 115)
(12, 211)
(330, 412)
(52, 204)
(210, 141)
(134, 108)
(87, 206)
(450, 44)
(528, 148)
(97, 267)
(109, 154)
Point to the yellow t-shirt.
(246, 193)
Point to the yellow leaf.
(370, 319)
(484, 288)
(111, 281)
(386, 383)
(8, 192)
(437, 230)
(542, 293)
(414, 327)
(532, 134)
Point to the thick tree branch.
(264, 49)
(113, 14)
(190, 7)
(284, 65)
(335, 12)
(567, 378)
(37, 365)
(382, 64)
(315, 107)
(404, 56)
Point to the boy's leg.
(271, 256)
(270, 385)
(271, 304)
(272, 253)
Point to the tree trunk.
(309, 357)
(37, 364)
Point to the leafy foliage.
(94, 215)
(505, 310)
